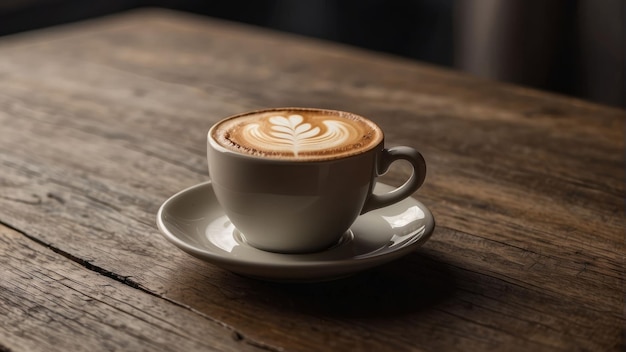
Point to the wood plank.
(527, 188)
(55, 304)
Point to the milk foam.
(297, 134)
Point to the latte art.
(294, 135)
(298, 134)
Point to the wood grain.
(51, 303)
(102, 121)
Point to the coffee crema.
(297, 134)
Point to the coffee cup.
(293, 180)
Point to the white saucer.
(193, 221)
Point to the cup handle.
(387, 157)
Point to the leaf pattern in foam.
(292, 129)
(295, 135)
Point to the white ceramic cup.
(300, 206)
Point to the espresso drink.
(298, 134)
(293, 180)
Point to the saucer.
(194, 221)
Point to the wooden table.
(100, 122)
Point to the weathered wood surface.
(102, 121)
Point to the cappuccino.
(293, 180)
(297, 134)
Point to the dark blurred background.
(574, 47)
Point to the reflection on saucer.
(405, 218)
(220, 232)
